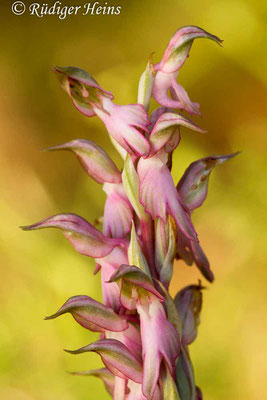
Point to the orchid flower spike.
(144, 334)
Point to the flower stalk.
(144, 334)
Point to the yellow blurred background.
(40, 270)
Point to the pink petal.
(156, 330)
(85, 238)
(119, 388)
(118, 214)
(180, 45)
(124, 123)
(92, 315)
(109, 265)
(158, 194)
(116, 357)
(82, 88)
(137, 394)
(166, 130)
(182, 96)
(130, 338)
(94, 160)
(162, 84)
(131, 278)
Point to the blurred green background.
(40, 270)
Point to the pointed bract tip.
(53, 316)
(71, 351)
(26, 227)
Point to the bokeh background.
(39, 270)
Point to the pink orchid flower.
(167, 70)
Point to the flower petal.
(160, 340)
(94, 160)
(193, 186)
(158, 195)
(131, 280)
(118, 214)
(165, 84)
(82, 88)
(92, 315)
(124, 123)
(137, 394)
(119, 388)
(180, 45)
(116, 357)
(85, 238)
(166, 129)
(109, 265)
(130, 338)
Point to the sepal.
(159, 196)
(126, 124)
(83, 236)
(118, 212)
(166, 131)
(84, 91)
(117, 358)
(95, 161)
(160, 341)
(180, 45)
(135, 286)
(92, 315)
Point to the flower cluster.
(144, 333)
